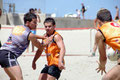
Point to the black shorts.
(7, 59)
(52, 70)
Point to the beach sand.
(77, 68)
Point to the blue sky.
(62, 7)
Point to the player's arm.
(102, 51)
(102, 48)
(34, 40)
(37, 55)
(40, 37)
(36, 43)
(58, 39)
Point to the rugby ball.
(112, 55)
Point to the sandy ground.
(77, 68)
(77, 42)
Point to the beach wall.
(73, 23)
(61, 22)
(15, 19)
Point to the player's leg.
(53, 73)
(49, 77)
(27, 50)
(43, 74)
(114, 73)
(9, 62)
(14, 73)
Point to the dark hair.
(104, 15)
(29, 17)
(49, 19)
(31, 9)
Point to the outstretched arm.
(102, 51)
(40, 37)
(58, 39)
(36, 43)
(34, 40)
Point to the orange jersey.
(111, 33)
(52, 52)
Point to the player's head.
(104, 15)
(82, 4)
(76, 9)
(49, 24)
(30, 20)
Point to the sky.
(62, 7)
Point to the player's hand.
(48, 40)
(101, 68)
(51, 37)
(61, 65)
(33, 65)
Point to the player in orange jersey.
(109, 33)
(55, 52)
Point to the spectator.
(83, 10)
(78, 13)
(34, 11)
(97, 27)
(39, 11)
(38, 17)
(31, 10)
(117, 13)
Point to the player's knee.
(50, 78)
(106, 77)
